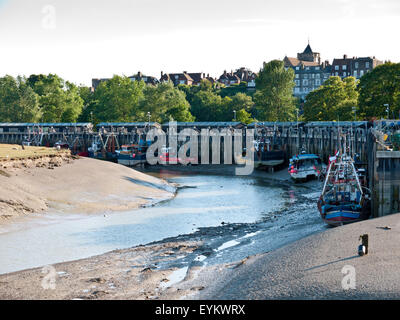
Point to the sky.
(85, 39)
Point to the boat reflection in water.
(267, 154)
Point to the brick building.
(229, 78)
(177, 78)
(247, 76)
(137, 77)
(147, 79)
(310, 73)
(355, 67)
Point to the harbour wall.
(319, 137)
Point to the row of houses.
(310, 73)
(241, 75)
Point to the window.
(361, 73)
(305, 82)
(317, 76)
(317, 82)
(297, 82)
(176, 77)
(336, 74)
(336, 67)
(313, 75)
(367, 65)
(297, 76)
(296, 90)
(307, 68)
(297, 68)
(317, 68)
(355, 74)
(356, 65)
(344, 74)
(306, 76)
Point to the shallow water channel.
(236, 216)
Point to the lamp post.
(355, 113)
(387, 109)
(234, 115)
(149, 115)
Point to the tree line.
(49, 98)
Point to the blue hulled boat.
(343, 199)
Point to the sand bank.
(66, 184)
(315, 267)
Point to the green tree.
(18, 102)
(274, 93)
(234, 89)
(117, 100)
(209, 106)
(165, 103)
(243, 116)
(242, 104)
(377, 88)
(88, 113)
(334, 100)
(59, 101)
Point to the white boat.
(306, 166)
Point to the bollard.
(363, 247)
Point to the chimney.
(139, 74)
(345, 56)
(184, 72)
(162, 74)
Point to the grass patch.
(13, 151)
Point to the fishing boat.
(267, 154)
(306, 166)
(343, 199)
(131, 155)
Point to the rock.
(199, 288)
(97, 280)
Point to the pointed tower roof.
(308, 49)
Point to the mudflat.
(74, 185)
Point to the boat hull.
(339, 218)
(269, 158)
(128, 160)
(304, 175)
